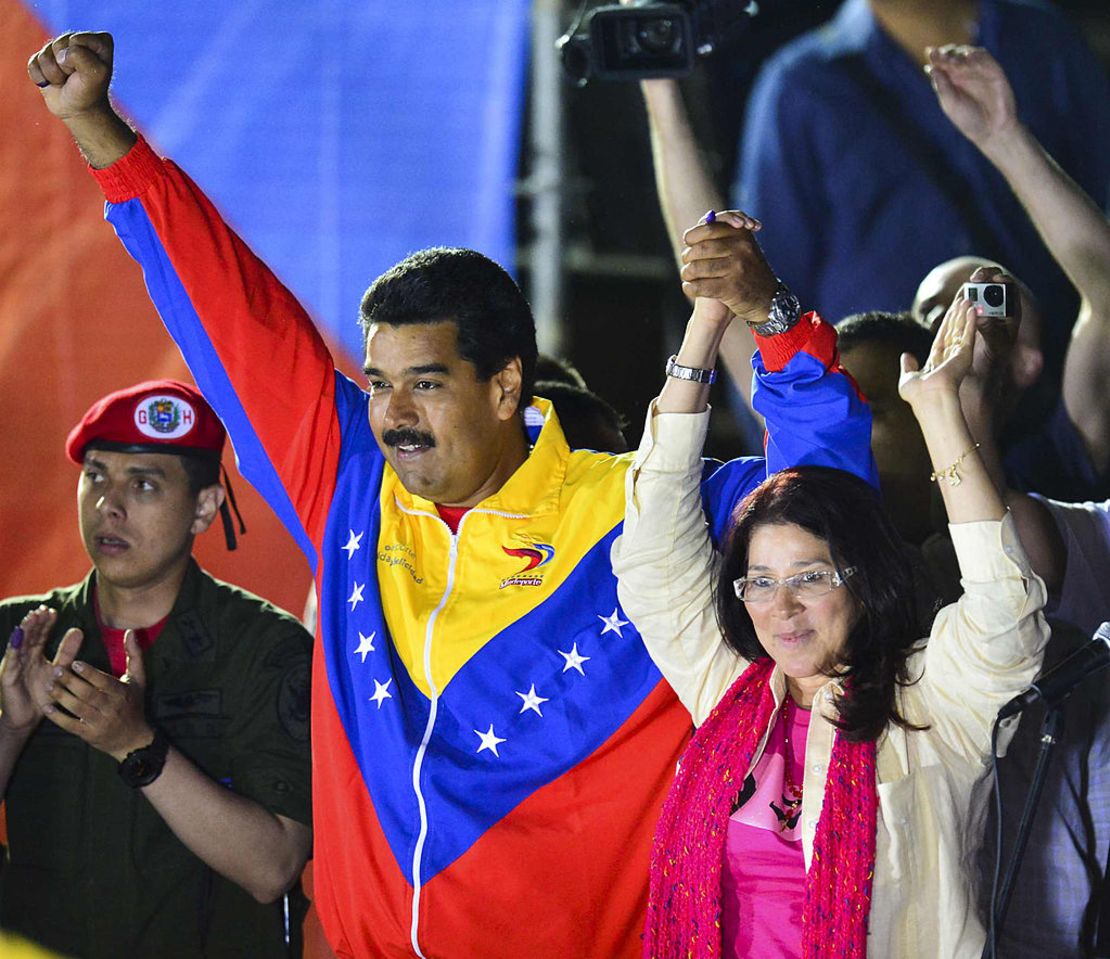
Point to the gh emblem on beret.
(164, 417)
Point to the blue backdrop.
(335, 136)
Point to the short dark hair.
(902, 330)
(493, 319)
(588, 421)
(200, 471)
(551, 369)
(845, 512)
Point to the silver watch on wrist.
(786, 310)
(693, 373)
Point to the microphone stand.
(1051, 728)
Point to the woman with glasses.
(832, 798)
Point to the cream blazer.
(933, 785)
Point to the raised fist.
(73, 71)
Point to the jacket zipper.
(418, 763)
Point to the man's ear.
(507, 385)
(209, 501)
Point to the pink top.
(763, 880)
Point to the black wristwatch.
(784, 314)
(142, 766)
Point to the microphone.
(1055, 685)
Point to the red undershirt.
(113, 639)
(452, 515)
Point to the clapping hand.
(105, 712)
(26, 673)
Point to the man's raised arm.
(251, 347)
(74, 71)
(813, 411)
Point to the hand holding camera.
(994, 297)
(647, 39)
(987, 299)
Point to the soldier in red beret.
(163, 808)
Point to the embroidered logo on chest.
(535, 556)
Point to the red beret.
(159, 416)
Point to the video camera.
(647, 39)
(989, 299)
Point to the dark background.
(623, 309)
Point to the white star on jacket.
(613, 623)
(532, 700)
(365, 645)
(574, 659)
(489, 740)
(353, 543)
(381, 692)
(356, 595)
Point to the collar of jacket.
(184, 619)
(535, 488)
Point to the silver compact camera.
(989, 299)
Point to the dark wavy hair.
(845, 512)
(493, 318)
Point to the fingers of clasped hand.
(105, 712)
(73, 71)
(722, 261)
(949, 359)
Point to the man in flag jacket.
(491, 741)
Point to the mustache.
(407, 437)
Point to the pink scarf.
(684, 901)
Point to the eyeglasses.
(808, 585)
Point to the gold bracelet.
(952, 473)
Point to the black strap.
(225, 513)
(930, 157)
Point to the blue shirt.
(852, 221)
(1052, 460)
